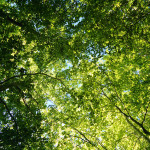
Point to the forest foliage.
(75, 74)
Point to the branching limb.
(128, 116)
(12, 117)
(143, 135)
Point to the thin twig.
(77, 137)
(121, 100)
(99, 141)
(101, 144)
(90, 142)
(145, 113)
(136, 141)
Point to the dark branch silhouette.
(129, 117)
(12, 117)
(29, 74)
(145, 113)
(90, 142)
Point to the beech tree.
(75, 74)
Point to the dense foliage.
(75, 74)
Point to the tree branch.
(29, 74)
(23, 98)
(26, 27)
(116, 92)
(121, 100)
(145, 113)
(12, 117)
(86, 139)
(77, 137)
(145, 137)
(83, 136)
(99, 141)
(101, 144)
(128, 116)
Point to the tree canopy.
(75, 74)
